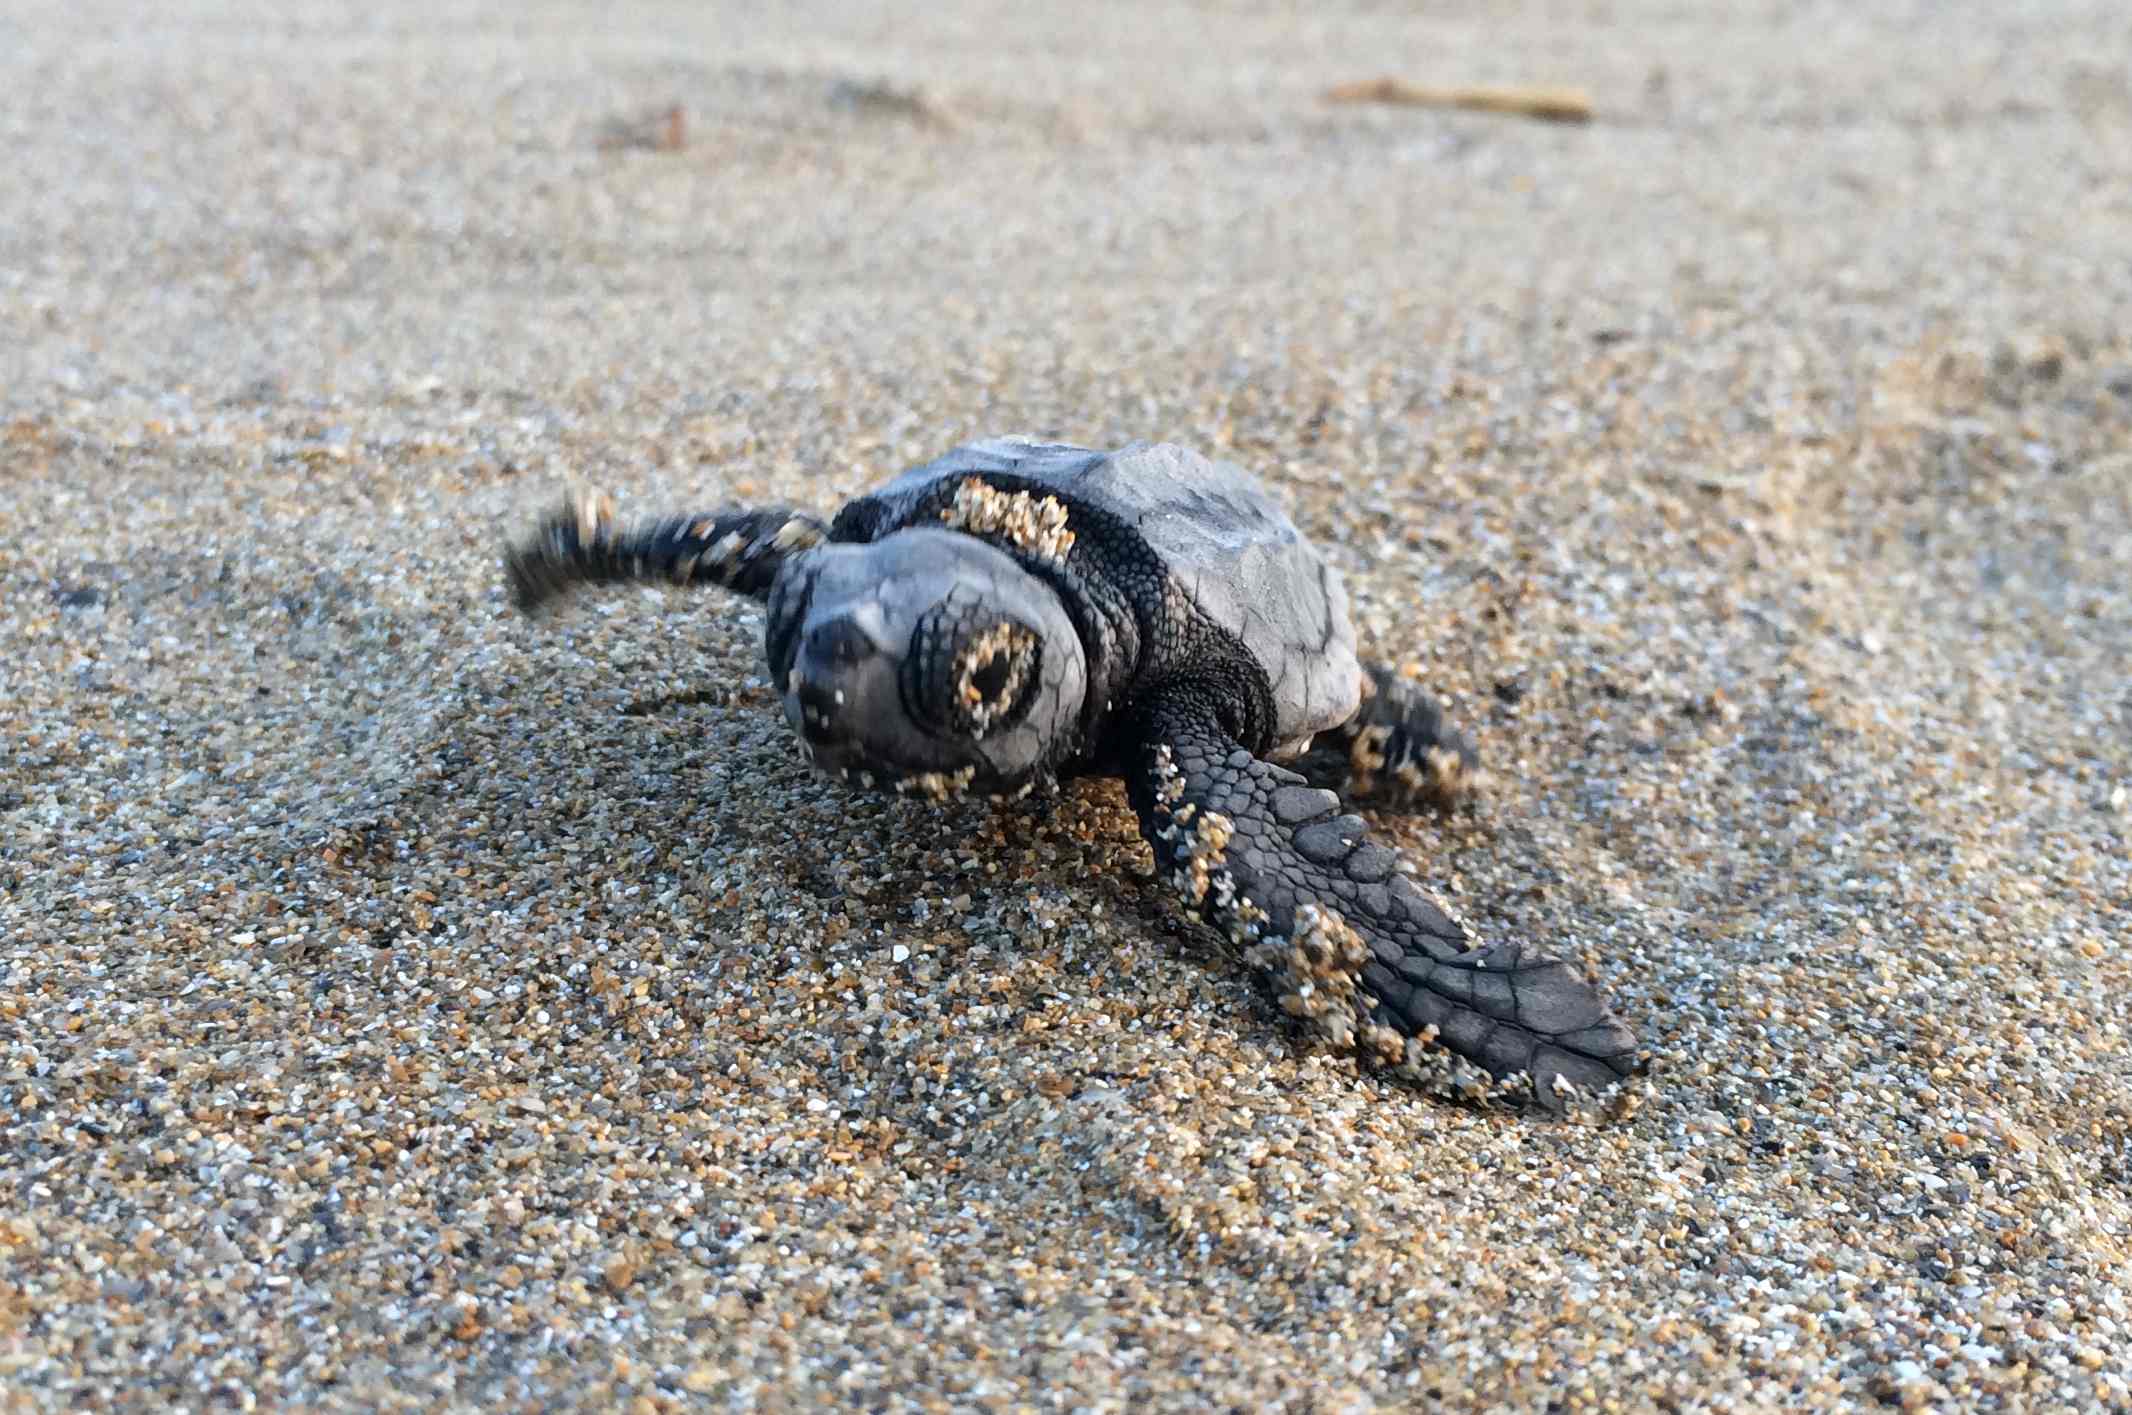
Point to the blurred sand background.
(404, 1006)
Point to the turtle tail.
(582, 544)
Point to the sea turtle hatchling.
(1019, 610)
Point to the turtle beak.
(834, 674)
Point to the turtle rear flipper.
(1396, 751)
(1354, 946)
(581, 544)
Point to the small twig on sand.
(1553, 105)
(663, 131)
(884, 99)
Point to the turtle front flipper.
(1351, 944)
(581, 544)
(1396, 750)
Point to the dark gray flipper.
(580, 544)
(1396, 750)
(1356, 948)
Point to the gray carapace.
(1017, 611)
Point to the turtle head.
(928, 660)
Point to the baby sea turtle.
(1017, 611)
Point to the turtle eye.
(992, 673)
(973, 675)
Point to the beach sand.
(403, 1005)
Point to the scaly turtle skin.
(1016, 611)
